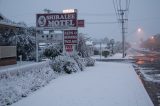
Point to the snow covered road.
(106, 84)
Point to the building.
(90, 47)
(7, 50)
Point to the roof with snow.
(7, 22)
(100, 46)
(90, 43)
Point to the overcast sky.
(143, 14)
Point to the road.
(148, 67)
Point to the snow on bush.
(89, 61)
(52, 51)
(79, 61)
(65, 64)
(19, 82)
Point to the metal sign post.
(64, 51)
(36, 47)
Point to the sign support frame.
(45, 26)
(37, 44)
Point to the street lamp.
(139, 30)
(136, 36)
(152, 37)
(152, 41)
(140, 35)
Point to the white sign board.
(50, 38)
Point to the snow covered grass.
(106, 84)
(117, 56)
(16, 83)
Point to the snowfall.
(105, 84)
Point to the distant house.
(7, 51)
(98, 48)
(90, 47)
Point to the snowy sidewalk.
(115, 56)
(106, 84)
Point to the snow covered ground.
(118, 56)
(106, 84)
(115, 56)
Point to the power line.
(97, 14)
(115, 10)
(146, 19)
(113, 22)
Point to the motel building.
(8, 51)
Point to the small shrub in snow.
(52, 51)
(69, 67)
(64, 64)
(89, 61)
(105, 53)
(79, 61)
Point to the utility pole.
(123, 20)
(122, 16)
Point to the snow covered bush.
(52, 51)
(82, 47)
(89, 61)
(18, 82)
(26, 43)
(105, 53)
(64, 64)
(79, 61)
